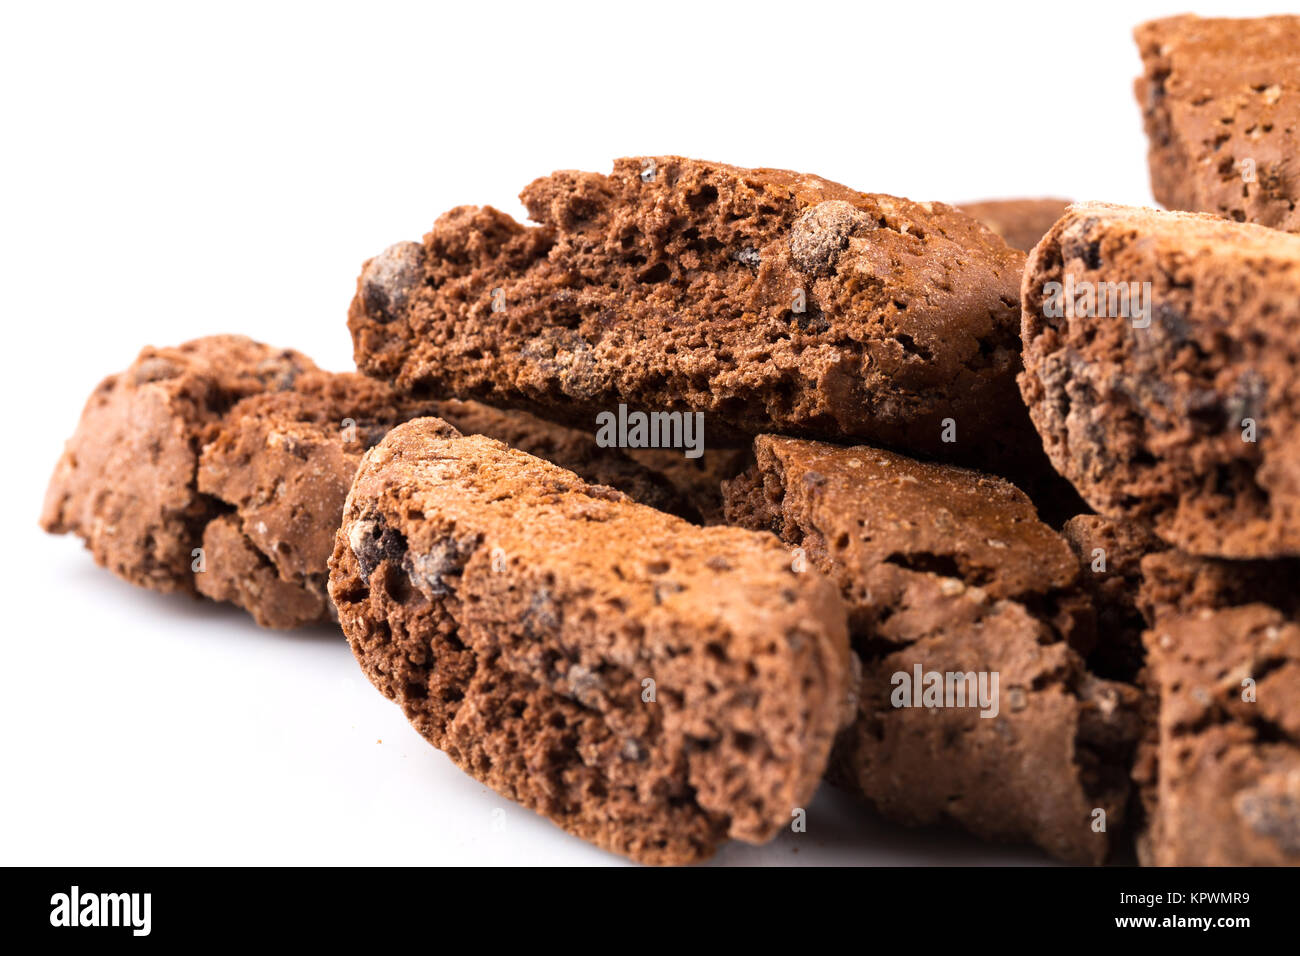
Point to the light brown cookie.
(1220, 99)
(126, 482)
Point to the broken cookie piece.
(1161, 352)
(1227, 790)
(975, 705)
(126, 482)
(281, 464)
(1220, 100)
(220, 468)
(765, 299)
(649, 685)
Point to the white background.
(170, 173)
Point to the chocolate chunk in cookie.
(765, 299)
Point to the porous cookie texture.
(649, 685)
(949, 571)
(279, 465)
(1110, 553)
(578, 451)
(1220, 100)
(766, 299)
(1183, 413)
(1228, 783)
(220, 467)
(125, 483)
(1174, 583)
(1020, 222)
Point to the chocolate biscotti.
(1228, 785)
(126, 482)
(1220, 101)
(949, 575)
(220, 467)
(649, 685)
(1161, 360)
(278, 467)
(764, 299)
(1020, 222)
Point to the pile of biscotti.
(1005, 543)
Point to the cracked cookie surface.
(950, 571)
(1187, 417)
(520, 617)
(769, 300)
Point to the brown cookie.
(1020, 222)
(1227, 790)
(1110, 553)
(1180, 409)
(766, 300)
(649, 685)
(282, 463)
(947, 571)
(1175, 583)
(1221, 103)
(126, 482)
(576, 450)
(221, 467)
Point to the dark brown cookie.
(126, 482)
(1183, 413)
(765, 299)
(950, 572)
(651, 686)
(1227, 790)
(1020, 222)
(1221, 103)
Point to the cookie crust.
(1190, 423)
(516, 614)
(672, 284)
(949, 570)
